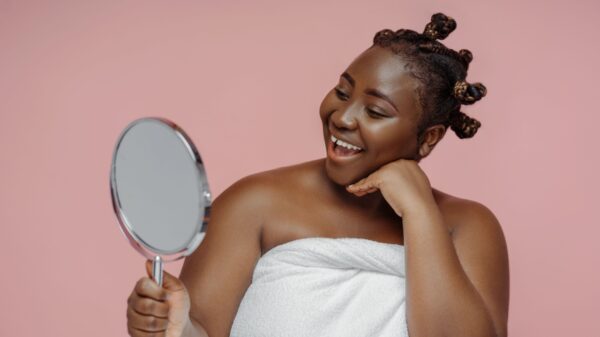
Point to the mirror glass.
(159, 189)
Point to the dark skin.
(456, 254)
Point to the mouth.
(339, 150)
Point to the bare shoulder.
(252, 192)
(260, 194)
(259, 188)
(278, 181)
(481, 247)
(465, 215)
(220, 269)
(472, 224)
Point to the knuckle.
(139, 305)
(150, 323)
(165, 310)
(147, 305)
(155, 323)
(150, 286)
(139, 285)
(163, 294)
(133, 332)
(145, 286)
(132, 297)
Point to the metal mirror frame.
(156, 255)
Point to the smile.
(340, 151)
(339, 142)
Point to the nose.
(344, 118)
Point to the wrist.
(425, 207)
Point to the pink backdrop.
(245, 80)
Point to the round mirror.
(159, 191)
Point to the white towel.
(350, 287)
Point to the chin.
(340, 176)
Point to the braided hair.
(441, 72)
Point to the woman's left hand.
(402, 183)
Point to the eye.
(375, 114)
(340, 94)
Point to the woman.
(366, 202)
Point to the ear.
(431, 137)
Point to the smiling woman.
(373, 107)
(381, 252)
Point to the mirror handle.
(157, 270)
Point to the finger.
(367, 191)
(358, 183)
(147, 288)
(362, 187)
(145, 323)
(371, 189)
(149, 268)
(148, 306)
(355, 187)
(170, 282)
(138, 333)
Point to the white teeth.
(340, 142)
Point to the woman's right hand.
(158, 311)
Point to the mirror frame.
(124, 224)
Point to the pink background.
(245, 80)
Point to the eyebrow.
(370, 91)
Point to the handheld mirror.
(159, 191)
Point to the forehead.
(381, 69)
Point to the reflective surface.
(159, 189)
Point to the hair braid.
(463, 125)
(440, 27)
(468, 93)
(441, 71)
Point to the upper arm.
(218, 273)
(481, 248)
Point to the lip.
(339, 159)
(344, 140)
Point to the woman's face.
(357, 112)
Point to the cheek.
(390, 142)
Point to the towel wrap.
(320, 286)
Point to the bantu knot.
(466, 56)
(463, 125)
(440, 26)
(468, 93)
